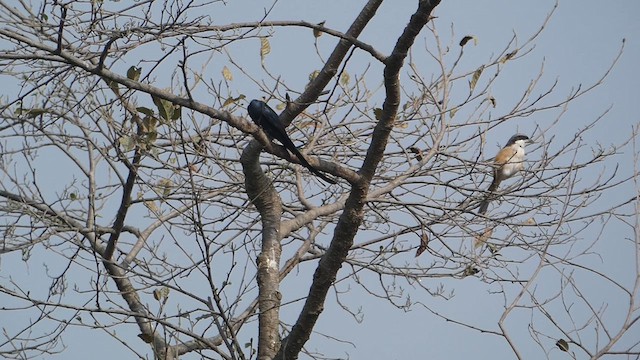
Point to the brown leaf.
(317, 33)
(466, 39)
(493, 101)
(424, 243)
(378, 113)
(470, 270)
(476, 77)
(416, 151)
(563, 345)
(509, 56)
(482, 238)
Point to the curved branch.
(351, 218)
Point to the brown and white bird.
(508, 162)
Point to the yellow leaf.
(345, 79)
(232, 100)
(161, 293)
(314, 75)
(127, 143)
(151, 206)
(32, 113)
(265, 47)
(226, 74)
(165, 186)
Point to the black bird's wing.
(269, 121)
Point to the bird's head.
(256, 110)
(520, 140)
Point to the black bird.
(508, 162)
(268, 120)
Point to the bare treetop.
(137, 188)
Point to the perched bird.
(508, 162)
(268, 120)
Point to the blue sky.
(577, 47)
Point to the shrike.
(508, 162)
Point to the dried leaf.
(26, 253)
(32, 113)
(466, 39)
(314, 75)
(226, 74)
(509, 56)
(165, 186)
(424, 243)
(470, 270)
(493, 101)
(492, 248)
(317, 33)
(475, 77)
(482, 238)
(232, 100)
(127, 143)
(377, 112)
(416, 151)
(228, 102)
(149, 123)
(151, 205)
(562, 344)
(161, 293)
(345, 78)
(265, 48)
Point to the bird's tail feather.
(484, 205)
(306, 164)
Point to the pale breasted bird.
(508, 162)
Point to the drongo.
(268, 120)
